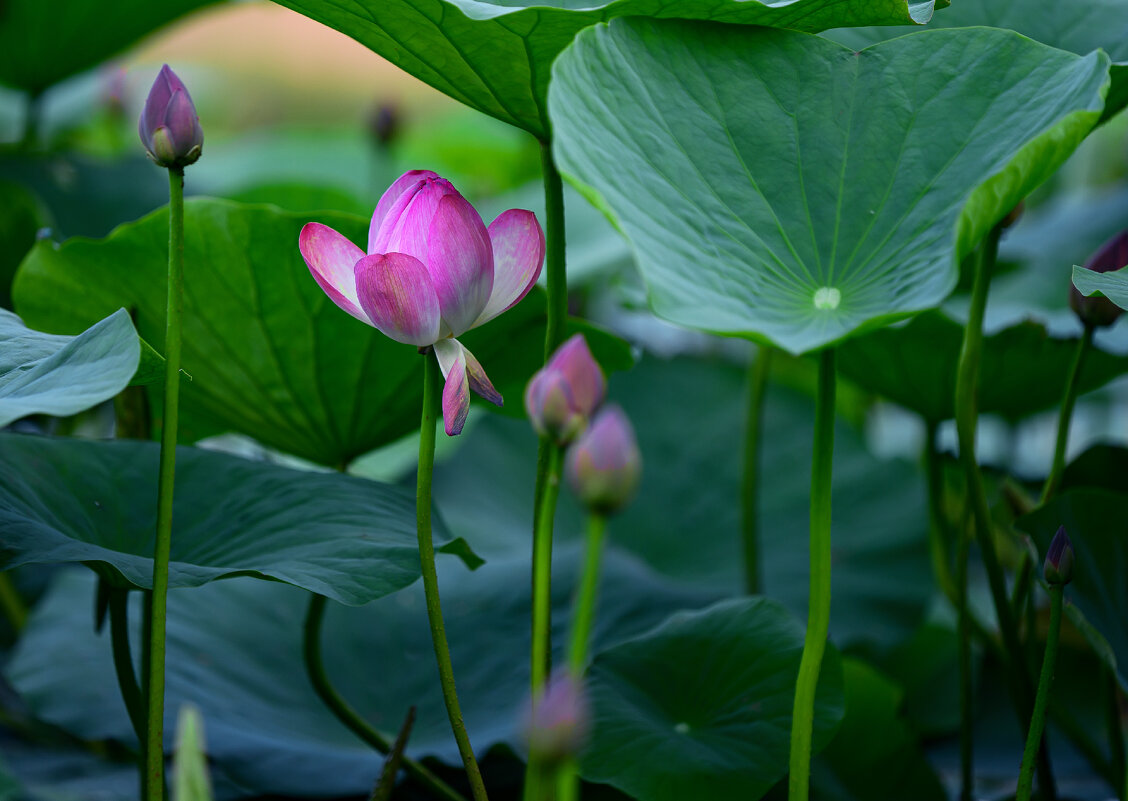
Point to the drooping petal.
(331, 259)
(395, 291)
(456, 391)
(460, 259)
(406, 181)
(518, 251)
(479, 381)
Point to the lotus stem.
(554, 252)
(33, 113)
(750, 485)
(542, 568)
(967, 697)
(1065, 416)
(818, 613)
(1038, 720)
(430, 415)
(315, 668)
(154, 746)
(967, 380)
(584, 609)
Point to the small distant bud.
(563, 394)
(384, 124)
(1059, 559)
(604, 464)
(169, 127)
(1100, 311)
(557, 722)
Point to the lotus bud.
(1100, 311)
(562, 396)
(604, 463)
(169, 127)
(558, 720)
(384, 124)
(1059, 559)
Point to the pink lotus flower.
(169, 127)
(604, 464)
(563, 394)
(432, 272)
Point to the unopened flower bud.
(1059, 559)
(558, 720)
(1100, 311)
(563, 394)
(169, 127)
(384, 124)
(604, 463)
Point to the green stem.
(154, 749)
(1065, 416)
(967, 379)
(554, 252)
(567, 780)
(750, 485)
(15, 610)
(123, 660)
(584, 612)
(963, 634)
(1038, 720)
(1119, 755)
(431, 579)
(542, 570)
(315, 668)
(33, 112)
(818, 612)
(937, 529)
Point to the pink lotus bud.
(604, 464)
(1100, 311)
(557, 722)
(1059, 559)
(563, 394)
(169, 127)
(384, 124)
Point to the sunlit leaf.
(790, 189)
(495, 55)
(269, 355)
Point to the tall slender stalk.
(315, 668)
(963, 634)
(154, 748)
(938, 528)
(750, 484)
(584, 606)
(1065, 415)
(554, 252)
(1038, 720)
(541, 651)
(1118, 763)
(818, 612)
(33, 112)
(967, 380)
(431, 579)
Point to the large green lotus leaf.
(234, 649)
(700, 707)
(269, 355)
(778, 185)
(875, 756)
(60, 375)
(688, 416)
(1097, 523)
(1113, 286)
(95, 502)
(494, 55)
(1101, 466)
(1079, 26)
(1024, 368)
(40, 46)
